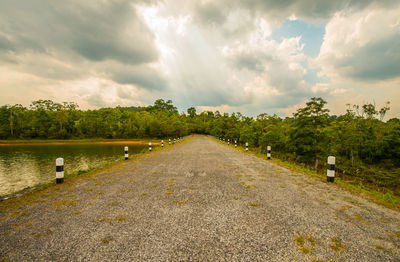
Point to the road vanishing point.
(197, 200)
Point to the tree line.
(367, 149)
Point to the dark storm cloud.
(95, 30)
(280, 10)
(379, 60)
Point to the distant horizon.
(252, 57)
(184, 111)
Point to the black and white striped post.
(228, 141)
(162, 143)
(235, 143)
(247, 146)
(59, 170)
(150, 146)
(169, 141)
(268, 152)
(330, 172)
(126, 153)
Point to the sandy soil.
(197, 200)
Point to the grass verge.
(381, 196)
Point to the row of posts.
(330, 172)
(60, 160)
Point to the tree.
(192, 112)
(308, 136)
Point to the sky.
(253, 57)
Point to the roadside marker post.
(174, 140)
(150, 146)
(169, 142)
(162, 143)
(59, 170)
(228, 141)
(247, 146)
(126, 153)
(330, 172)
(235, 143)
(268, 152)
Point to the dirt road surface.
(199, 200)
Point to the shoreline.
(77, 142)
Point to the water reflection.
(24, 166)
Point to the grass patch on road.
(336, 245)
(180, 201)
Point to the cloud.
(362, 46)
(277, 11)
(95, 31)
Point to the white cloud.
(364, 46)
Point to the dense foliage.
(366, 147)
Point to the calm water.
(22, 166)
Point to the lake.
(24, 166)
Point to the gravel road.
(199, 200)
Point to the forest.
(366, 147)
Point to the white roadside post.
(126, 153)
(224, 140)
(247, 146)
(228, 141)
(59, 170)
(174, 140)
(178, 139)
(169, 141)
(330, 172)
(268, 152)
(150, 146)
(162, 143)
(235, 143)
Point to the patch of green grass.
(17, 213)
(143, 194)
(57, 203)
(305, 244)
(120, 218)
(299, 240)
(168, 193)
(113, 204)
(359, 218)
(77, 212)
(70, 195)
(254, 205)
(37, 235)
(379, 247)
(180, 201)
(235, 198)
(336, 245)
(249, 186)
(107, 240)
(190, 188)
